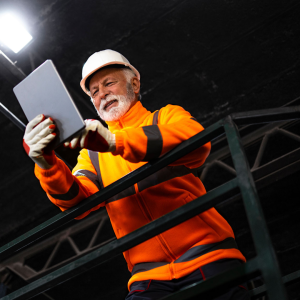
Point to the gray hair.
(129, 74)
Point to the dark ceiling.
(213, 57)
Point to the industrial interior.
(214, 58)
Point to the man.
(190, 252)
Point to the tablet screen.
(43, 92)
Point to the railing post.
(265, 252)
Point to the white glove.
(94, 137)
(38, 134)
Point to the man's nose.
(103, 93)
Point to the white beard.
(115, 113)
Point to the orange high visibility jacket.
(140, 137)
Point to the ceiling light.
(12, 32)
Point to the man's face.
(112, 95)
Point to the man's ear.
(135, 85)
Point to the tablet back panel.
(43, 92)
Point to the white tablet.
(43, 92)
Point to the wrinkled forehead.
(114, 70)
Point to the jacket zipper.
(166, 247)
(145, 210)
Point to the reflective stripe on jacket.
(142, 136)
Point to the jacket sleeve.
(65, 189)
(175, 125)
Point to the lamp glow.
(12, 32)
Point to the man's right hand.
(38, 134)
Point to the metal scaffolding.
(264, 174)
(265, 262)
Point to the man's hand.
(38, 134)
(94, 137)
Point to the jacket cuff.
(39, 172)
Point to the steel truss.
(263, 174)
(19, 265)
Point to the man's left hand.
(94, 137)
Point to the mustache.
(108, 99)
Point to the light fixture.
(12, 32)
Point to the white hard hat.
(102, 59)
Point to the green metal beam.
(266, 115)
(287, 280)
(264, 249)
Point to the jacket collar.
(133, 118)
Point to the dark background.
(213, 57)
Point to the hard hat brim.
(83, 81)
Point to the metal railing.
(265, 263)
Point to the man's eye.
(109, 83)
(95, 93)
